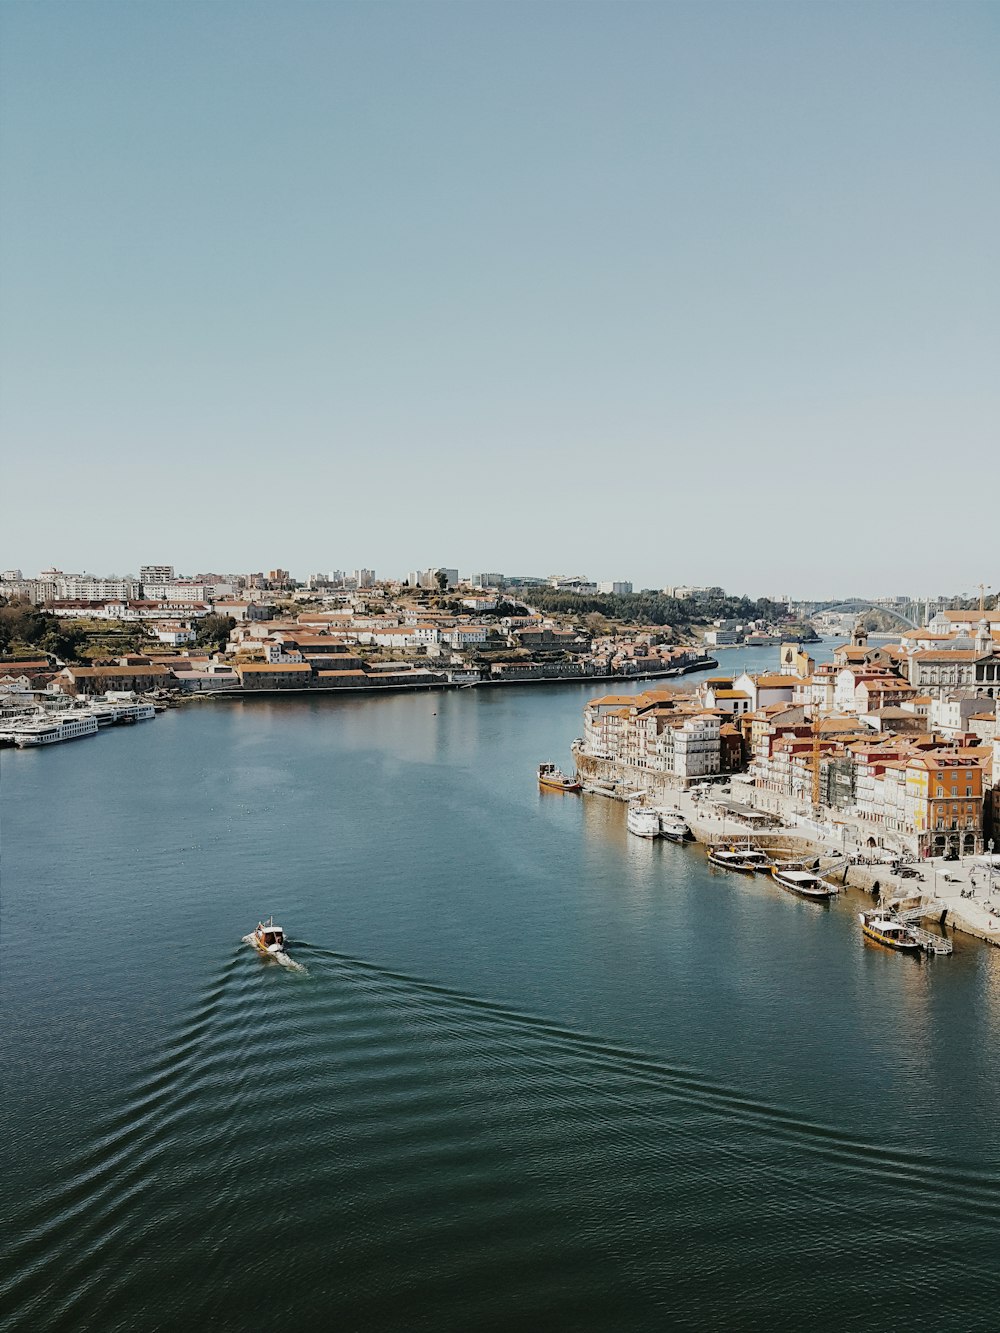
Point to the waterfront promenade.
(962, 894)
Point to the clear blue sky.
(668, 292)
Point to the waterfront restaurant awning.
(745, 812)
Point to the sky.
(674, 293)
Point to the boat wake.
(406, 1114)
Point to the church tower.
(859, 639)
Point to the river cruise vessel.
(802, 882)
(643, 822)
(885, 929)
(554, 779)
(50, 731)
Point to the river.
(537, 1074)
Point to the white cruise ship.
(49, 731)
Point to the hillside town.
(212, 633)
(900, 743)
(899, 736)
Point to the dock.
(929, 942)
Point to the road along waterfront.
(537, 1073)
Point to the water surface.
(538, 1073)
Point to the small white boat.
(643, 822)
(674, 826)
(270, 940)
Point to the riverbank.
(422, 687)
(960, 895)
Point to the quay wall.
(943, 901)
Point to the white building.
(180, 590)
(616, 589)
(89, 588)
(173, 635)
(464, 636)
(697, 747)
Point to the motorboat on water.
(886, 929)
(268, 937)
(554, 779)
(271, 941)
(802, 882)
(643, 821)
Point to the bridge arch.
(855, 604)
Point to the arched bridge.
(855, 604)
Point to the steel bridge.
(856, 604)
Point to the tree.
(441, 579)
(213, 631)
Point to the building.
(616, 589)
(944, 804)
(98, 680)
(156, 574)
(274, 675)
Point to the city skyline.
(702, 289)
(224, 570)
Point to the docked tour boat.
(802, 882)
(674, 826)
(554, 779)
(754, 857)
(735, 858)
(642, 821)
(45, 730)
(885, 929)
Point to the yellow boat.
(554, 779)
(884, 929)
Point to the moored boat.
(886, 929)
(643, 821)
(50, 731)
(554, 779)
(735, 858)
(802, 882)
(674, 826)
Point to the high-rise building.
(156, 574)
